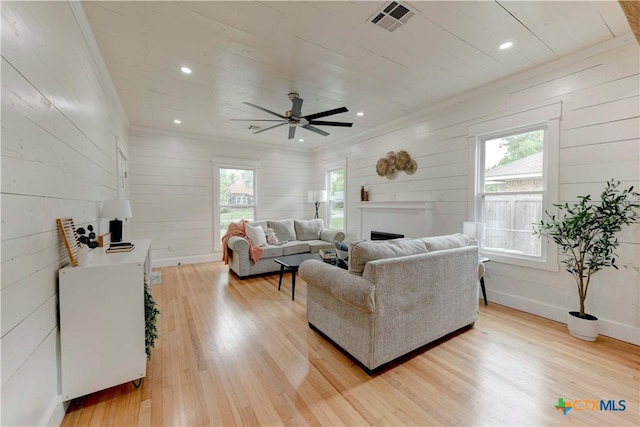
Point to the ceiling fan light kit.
(294, 118)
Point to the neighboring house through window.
(236, 198)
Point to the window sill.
(540, 264)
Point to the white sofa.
(396, 297)
(302, 236)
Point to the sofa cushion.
(271, 251)
(295, 247)
(256, 235)
(284, 229)
(308, 229)
(440, 243)
(364, 251)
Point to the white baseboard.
(606, 327)
(56, 412)
(195, 259)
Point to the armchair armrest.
(340, 284)
(331, 235)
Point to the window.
(516, 173)
(236, 192)
(511, 191)
(335, 202)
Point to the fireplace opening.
(382, 235)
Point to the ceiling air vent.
(254, 127)
(392, 16)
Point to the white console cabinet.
(102, 321)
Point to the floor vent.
(392, 16)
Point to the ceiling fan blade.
(316, 130)
(297, 107)
(326, 113)
(323, 123)
(265, 110)
(256, 120)
(292, 132)
(265, 129)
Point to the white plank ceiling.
(329, 53)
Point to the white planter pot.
(582, 328)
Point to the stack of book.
(120, 247)
(327, 254)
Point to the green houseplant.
(586, 233)
(151, 318)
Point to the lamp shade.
(317, 196)
(473, 230)
(116, 209)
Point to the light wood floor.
(238, 352)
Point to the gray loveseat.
(398, 295)
(302, 236)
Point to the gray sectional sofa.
(396, 297)
(301, 236)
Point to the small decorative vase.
(83, 256)
(362, 193)
(584, 328)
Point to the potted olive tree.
(586, 233)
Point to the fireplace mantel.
(411, 217)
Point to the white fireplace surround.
(411, 218)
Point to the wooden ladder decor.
(70, 237)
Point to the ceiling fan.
(294, 118)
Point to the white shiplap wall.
(60, 120)
(172, 189)
(599, 90)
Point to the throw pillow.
(272, 239)
(262, 224)
(308, 229)
(284, 229)
(440, 243)
(362, 252)
(256, 235)
(342, 250)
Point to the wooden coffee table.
(291, 263)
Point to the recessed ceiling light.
(186, 70)
(301, 140)
(506, 45)
(177, 121)
(360, 114)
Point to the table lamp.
(116, 209)
(473, 230)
